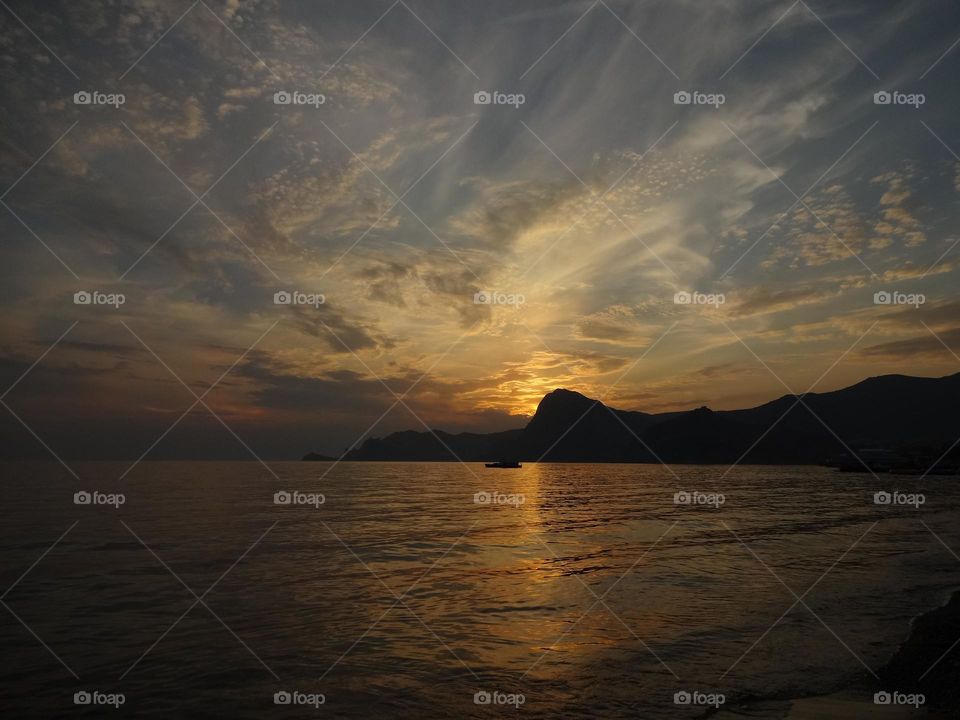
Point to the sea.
(450, 590)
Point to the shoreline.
(927, 662)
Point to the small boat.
(504, 464)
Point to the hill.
(898, 413)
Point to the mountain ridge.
(897, 413)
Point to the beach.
(927, 665)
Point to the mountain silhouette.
(910, 415)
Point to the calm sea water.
(401, 596)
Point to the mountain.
(899, 413)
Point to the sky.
(450, 260)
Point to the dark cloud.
(920, 347)
(341, 335)
(387, 282)
(944, 314)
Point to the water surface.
(401, 596)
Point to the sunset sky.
(597, 199)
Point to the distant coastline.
(317, 457)
(890, 422)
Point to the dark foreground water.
(592, 595)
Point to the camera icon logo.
(681, 498)
(282, 698)
(482, 97)
(882, 498)
(482, 498)
(682, 298)
(682, 98)
(882, 98)
(82, 697)
(682, 697)
(482, 697)
(282, 97)
(282, 498)
(882, 297)
(882, 698)
(82, 298)
(282, 297)
(82, 498)
(483, 297)
(82, 98)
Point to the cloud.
(619, 324)
(341, 335)
(596, 229)
(943, 315)
(763, 300)
(926, 346)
